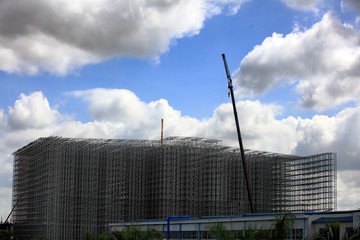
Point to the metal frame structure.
(65, 187)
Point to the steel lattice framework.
(65, 187)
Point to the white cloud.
(113, 105)
(31, 111)
(323, 62)
(340, 134)
(5, 195)
(142, 120)
(139, 119)
(232, 6)
(302, 4)
(258, 127)
(121, 114)
(2, 120)
(348, 186)
(63, 35)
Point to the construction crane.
(12, 210)
(230, 86)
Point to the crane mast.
(230, 86)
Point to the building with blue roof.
(304, 225)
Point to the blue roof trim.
(151, 220)
(333, 219)
(331, 212)
(215, 217)
(320, 220)
(260, 214)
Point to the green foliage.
(102, 236)
(89, 236)
(5, 234)
(282, 226)
(133, 233)
(152, 234)
(280, 229)
(353, 234)
(218, 231)
(118, 235)
(331, 232)
(255, 233)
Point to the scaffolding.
(65, 187)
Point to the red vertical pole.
(162, 131)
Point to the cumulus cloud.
(302, 4)
(112, 104)
(139, 119)
(348, 186)
(63, 35)
(31, 111)
(119, 113)
(340, 134)
(323, 62)
(258, 126)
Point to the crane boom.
(230, 86)
(8, 217)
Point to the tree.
(89, 236)
(254, 233)
(6, 234)
(118, 235)
(219, 232)
(152, 234)
(282, 226)
(353, 234)
(101, 236)
(132, 233)
(331, 232)
(104, 236)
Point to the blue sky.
(113, 69)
